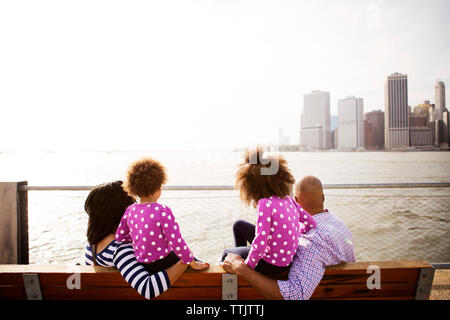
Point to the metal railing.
(230, 187)
(395, 225)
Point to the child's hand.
(196, 265)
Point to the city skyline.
(203, 74)
(398, 127)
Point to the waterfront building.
(333, 131)
(315, 120)
(396, 111)
(374, 130)
(333, 139)
(282, 139)
(350, 123)
(421, 136)
(446, 121)
(423, 109)
(439, 89)
(432, 115)
(440, 133)
(418, 120)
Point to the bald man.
(309, 193)
(330, 243)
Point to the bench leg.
(424, 283)
(229, 286)
(32, 286)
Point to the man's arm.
(266, 286)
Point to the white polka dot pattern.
(150, 229)
(280, 224)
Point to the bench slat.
(185, 293)
(90, 293)
(12, 292)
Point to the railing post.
(13, 223)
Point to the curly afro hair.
(144, 177)
(254, 186)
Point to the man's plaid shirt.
(330, 243)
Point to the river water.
(387, 224)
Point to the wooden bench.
(399, 280)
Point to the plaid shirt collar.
(321, 216)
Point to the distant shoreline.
(269, 149)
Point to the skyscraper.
(315, 120)
(439, 89)
(396, 111)
(374, 131)
(351, 123)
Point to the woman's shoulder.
(104, 257)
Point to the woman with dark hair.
(105, 206)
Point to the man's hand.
(233, 263)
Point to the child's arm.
(262, 232)
(123, 233)
(305, 218)
(171, 230)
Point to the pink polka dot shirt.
(279, 227)
(152, 229)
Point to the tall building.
(374, 130)
(439, 89)
(420, 134)
(446, 122)
(350, 123)
(315, 120)
(396, 111)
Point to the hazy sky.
(195, 74)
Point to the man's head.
(309, 194)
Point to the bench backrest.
(397, 280)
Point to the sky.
(168, 75)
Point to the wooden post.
(13, 223)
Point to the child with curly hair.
(281, 220)
(149, 225)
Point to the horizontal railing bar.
(229, 187)
(87, 188)
(441, 265)
(388, 185)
